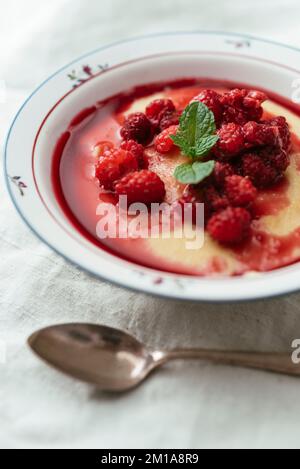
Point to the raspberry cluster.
(258, 148)
(162, 113)
(124, 170)
(250, 154)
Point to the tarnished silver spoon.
(115, 361)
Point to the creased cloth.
(186, 404)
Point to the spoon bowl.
(113, 360)
(101, 355)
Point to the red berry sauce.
(77, 190)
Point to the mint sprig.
(196, 135)
(192, 173)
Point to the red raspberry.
(252, 103)
(158, 108)
(255, 98)
(145, 162)
(260, 134)
(241, 105)
(239, 190)
(230, 143)
(169, 119)
(241, 98)
(230, 226)
(214, 200)
(259, 172)
(234, 97)
(212, 100)
(280, 160)
(221, 171)
(113, 165)
(284, 131)
(141, 186)
(233, 114)
(275, 157)
(163, 143)
(191, 196)
(136, 149)
(137, 127)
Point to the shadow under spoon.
(113, 360)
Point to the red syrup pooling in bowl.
(77, 190)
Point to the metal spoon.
(115, 361)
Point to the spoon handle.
(276, 362)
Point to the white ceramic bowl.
(102, 73)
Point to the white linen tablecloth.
(187, 404)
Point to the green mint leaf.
(205, 144)
(196, 133)
(188, 124)
(184, 146)
(193, 173)
(205, 124)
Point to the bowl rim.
(140, 288)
